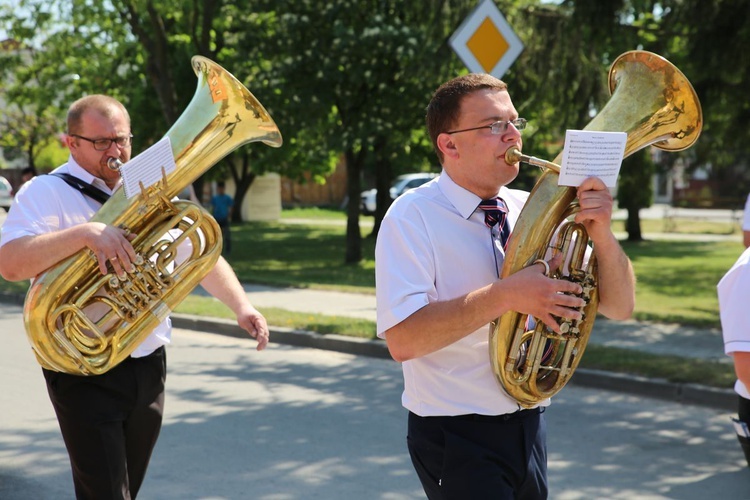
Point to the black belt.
(516, 415)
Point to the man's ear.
(70, 142)
(447, 146)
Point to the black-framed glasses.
(497, 128)
(104, 144)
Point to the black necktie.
(496, 211)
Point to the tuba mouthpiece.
(114, 163)
(513, 155)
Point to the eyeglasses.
(105, 144)
(497, 128)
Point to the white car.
(6, 193)
(400, 185)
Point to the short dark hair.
(444, 108)
(103, 104)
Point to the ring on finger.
(545, 264)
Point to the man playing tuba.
(109, 422)
(438, 261)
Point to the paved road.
(300, 423)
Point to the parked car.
(400, 185)
(6, 193)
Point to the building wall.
(331, 193)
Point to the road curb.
(693, 394)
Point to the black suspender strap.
(87, 189)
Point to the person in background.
(438, 259)
(221, 209)
(27, 174)
(110, 422)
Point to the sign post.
(485, 42)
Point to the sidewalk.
(654, 338)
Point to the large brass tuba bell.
(82, 322)
(654, 104)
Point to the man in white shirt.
(733, 291)
(109, 422)
(438, 288)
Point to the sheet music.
(592, 154)
(147, 167)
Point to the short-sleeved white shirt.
(734, 308)
(46, 204)
(433, 246)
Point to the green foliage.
(351, 78)
(677, 279)
(299, 255)
(51, 155)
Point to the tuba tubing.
(655, 104)
(81, 322)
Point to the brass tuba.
(84, 323)
(654, 104)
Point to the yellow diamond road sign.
(485, 42)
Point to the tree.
(56, 65)
(30, 117)
(358, 75)
(352, 78)
(139, 51)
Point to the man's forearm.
(27, 257)
(616, 281)
(222, 283)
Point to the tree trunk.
(383, 179)
(353, 235)
(633, 225)
(243, 178)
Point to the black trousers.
(743, 414)
(470, 457)
(110, 424)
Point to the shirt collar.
(464, 201)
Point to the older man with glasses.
(109, 422)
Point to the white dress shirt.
(46, 204)
(433, 245)
(734, 290)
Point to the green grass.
(677, 279)
(341, 325)
(671, 368)
(683, 226)
(301, 255)
(314, 213)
